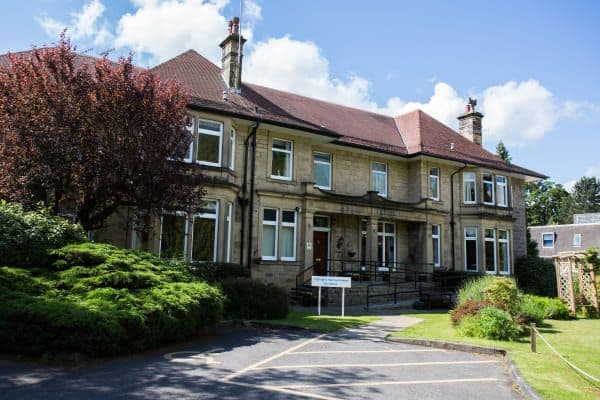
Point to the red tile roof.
(409, 135)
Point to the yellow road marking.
(380, 383)
(405, 364)
(276, 356)
(282, 389)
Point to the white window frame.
(214, 216)
(186, 232)
(293, 225)
(374, 172)
(493, 241)
(435, 177)
(491, 184)
(276, 225)
(330, 164)
(232, 138)
(289, 152)
(229, 222)
(469, 177)
(553, 240)
(465, 238)
(437, 248)
(502, 200)
(576, 242)
(211, 133)
(191, 128)
(508, 258)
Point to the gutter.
(452, 220)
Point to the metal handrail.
(301, 277)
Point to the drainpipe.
(452, 221)
(251, 204)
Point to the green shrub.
(218, 272)
(474, 288)
(252, 299)
(536, 276)
(490, 323)
(530, 310)
(26, 236)
(100, 300)
(469, 308)
(553, 308)
(503, 294)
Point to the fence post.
(532, 327)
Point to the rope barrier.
(570, 364)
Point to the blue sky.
(534, 65)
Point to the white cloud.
(83, 24)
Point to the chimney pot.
(469, 123)
(232, 47)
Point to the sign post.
(342, 282)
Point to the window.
(232, 136)
(503, 252)
(386, 244)
(204, 233)
(281, 165)
(434, 183)
(488, 189)
(140, 233)
(173, 235)
(188, 156)
(322, 170)
(548, 240)
(469, 191)
(436, 244)
(490, 251)
(471, 249)
(209, 143)
(288, 235)
(577, 240)
(379, 178)
(269, 234)
(501, 191)
(229, 222)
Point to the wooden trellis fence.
(572, 271)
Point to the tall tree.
(502, 151)
(547, 203)
(96, 134)
(586, 195)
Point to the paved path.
(274, 364)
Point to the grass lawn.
(323, 323)
(577, 340)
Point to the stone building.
(294, 182)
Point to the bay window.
(379, 178)
(471, 256)
(209, 142)
(469, 188)
(501, 191)
(434, 183)
(281, 163)
(232, 136)
(269, 234)
(189, 155)
(490, 251)
(503, 251)
(204, 233)
(173, 235)
(436, 245)
(488, 189)
(322, 170)
(288, 235)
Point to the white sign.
(331, 281)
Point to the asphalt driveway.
(275, 364)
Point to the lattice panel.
(564, 280)
(587, 286)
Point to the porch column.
(307, 244)
(371, 239)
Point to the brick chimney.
(469, 123)
(233, 46)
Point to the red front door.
(320, 252)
